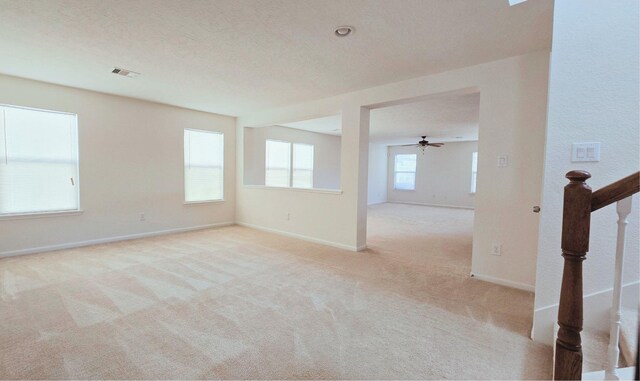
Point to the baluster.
(623, 207)
(576, 222)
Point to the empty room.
(319, 189)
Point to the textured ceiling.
(441, 119)
(233, 56)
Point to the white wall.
(593, 96)
(443, 175)
(377, 182)
(326, 154)
(513, 98)
(131, 162)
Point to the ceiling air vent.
(125, 72)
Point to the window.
(474, 171)
(404, 176)
(203, 166)
(302, 166)
(281, 157)
(39, 161)
(278, 164)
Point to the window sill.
(23, 216)
(203, 202)
(404, 190)
(308, 190)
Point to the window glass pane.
(302, 178)
(405, 180)
(474, 171)
(405, 163)
(278, 164)
(203, 165)
(302, 166)
(39, 166)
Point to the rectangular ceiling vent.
(125, 72)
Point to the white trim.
(98, 241)
(23, 216)
(504, 282)
(203, 202)
(309, 190)
(425, 204)
(608, 290)
(302, 237)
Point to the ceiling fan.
(424, 144)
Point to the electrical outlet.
(142, 217)
(496, 248)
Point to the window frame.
(184, 177)
(74, 140)
(291, 163)
(395, 172)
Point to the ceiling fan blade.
(435, 144)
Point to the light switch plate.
(585, 152)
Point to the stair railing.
(579, 203)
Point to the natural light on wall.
(405, 172)
(39, 168)
(203, 166)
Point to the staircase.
(579, 202)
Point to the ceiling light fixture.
(344, 31)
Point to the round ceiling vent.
(344, 31)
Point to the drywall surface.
(593, 97)
(131, 162)
(513, 99)
(377, 188)
(443, 175)
(326, 154)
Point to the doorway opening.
(423, 157)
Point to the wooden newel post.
(575, 244)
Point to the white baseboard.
(98, 241)
(596, 307)
(504, 282)
(425, 204)
(302, 237)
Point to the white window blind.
(474, 171)
(404, 176)
(302, 166)
(278, 164)
(39, 161)
(203, 165)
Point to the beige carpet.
(238, 303)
